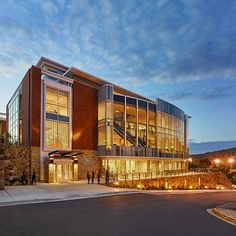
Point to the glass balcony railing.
(137, 151)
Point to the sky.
(181, 51)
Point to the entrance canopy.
(63, 154)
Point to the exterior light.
(117, 183)
(139, 186)
(190, 159)
(231, 160)
(217, 161)
(170, 187)
(206, 187)
(190, 187)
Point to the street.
(136, 214)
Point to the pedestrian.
(34, 177)
(99, 176)
(93, 175)
(24, 180)
(107, 177)
(88, 177)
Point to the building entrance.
(63, 170)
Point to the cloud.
(204, 93)
(153, 41)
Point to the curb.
(37, 201)
(224, 217)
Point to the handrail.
(151, 175)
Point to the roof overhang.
(63, 154)
(100, 82)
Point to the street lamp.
(231, 161)
(217, 161)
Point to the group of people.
(24, 180)
(99, 176)
(92, 176)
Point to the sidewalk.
(42, 192)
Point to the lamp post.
(217, 162)
(231, 161)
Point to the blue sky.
(182, 51)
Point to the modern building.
(80, 122)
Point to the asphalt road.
(136, 214)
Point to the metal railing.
(151, 175)
(137, 151)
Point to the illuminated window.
(131, 125)
(142, 124)
(57, 101)
(57, 134)
(152, 129)
(119, 124)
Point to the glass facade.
(142, 166)
(14, 129)
(105, 116)
(143, 124)
(151, 126)
(57, 126)
(131, 122)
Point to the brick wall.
(85, 113)
(1, 174)
(31, 107)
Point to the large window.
(170, 133)
(57, 126)
(142, 124)
(13, 119)
(152, 128)
(131, 120)
(105, 117)
(57, 134)
(57, 102)
(119, 124)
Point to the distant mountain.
(197, 148)
(220, 154)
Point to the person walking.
(88, 177)
(99, 176)
(34, 177)
(107, 177)
(93, 175)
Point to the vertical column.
(125, 122)
(136, 138)
(147, 127)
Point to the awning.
(64, 154)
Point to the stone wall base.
(200, 181)
(18, 159)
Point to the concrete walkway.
(42, 192)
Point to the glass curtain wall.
(13, 120)
(131, 121)
(105, 117)
(142, 123)
(119, 121)
(152, 126)
(170, 133)
(57, 127)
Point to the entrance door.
(63, 170)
